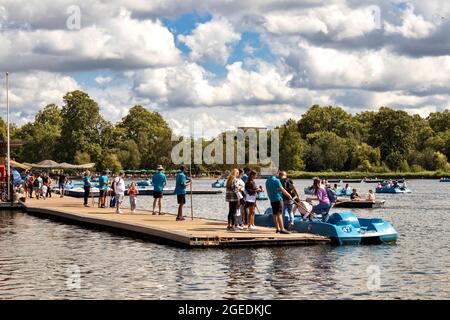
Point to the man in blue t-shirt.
(275, 192)
(103, 187)
(159, 181)
(181, 183)
(245, 175)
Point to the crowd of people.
(241, 195)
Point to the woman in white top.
(118, 186)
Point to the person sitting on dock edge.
(181, 182)
(275, 191)
(159, 181)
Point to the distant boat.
(218, 184)
(382, 180)
(362, 204)
(444, 180)
(344, 180)
(309, 190)
(342, 192)
(262, 196)
(392, 190)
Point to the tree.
(82, 125)
(151, 133)
(439, 121)
(292, 148)
(393, 132)
(332, 119)
(129, 155)
(364, 157)
(333, 151)
(41, 137)
(81, 157)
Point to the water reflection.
(36, 254)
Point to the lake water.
(43, 259)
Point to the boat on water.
(444, 180)
(309, 190)
(342, 192)
(218, 184)
(382, 180)
(386, 189)
(343, 228)
(262, 196)
(359, 204)
(344, 180)
(144, 183)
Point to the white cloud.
(118, 43)
(26, 99)
(336, 20)
(103, 80)
(413, 26)
(211, 41)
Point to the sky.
(218, 64)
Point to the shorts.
(277, 207)
(250, 204)
(102, 193)
(157, 194)
(181, 198)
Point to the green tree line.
(325, 138)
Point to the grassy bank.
(361, 175)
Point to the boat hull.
(358, 204)
(392, 190)
(342, 228)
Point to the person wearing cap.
(159, 181)
(181, 182)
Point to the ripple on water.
(38, 258)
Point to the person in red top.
(132, 193)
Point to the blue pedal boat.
(144, 183)
(444, 180)
(392, 190)
(343, 228)
(218, 184)
(342, 192)
(262, 196)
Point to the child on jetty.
(133, 192)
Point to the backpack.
(331, 195)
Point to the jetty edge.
(196, 233)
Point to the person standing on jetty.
(132, 193)
(37, 186)
(31, 184)
(159, 181)
(251, 192)
(232, 196)
(181, 182)
(275, 192)
(118, 185)
(62, 180)
(103, 187)
(87, 187)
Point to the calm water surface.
(40, 259)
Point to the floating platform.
(196, 233)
